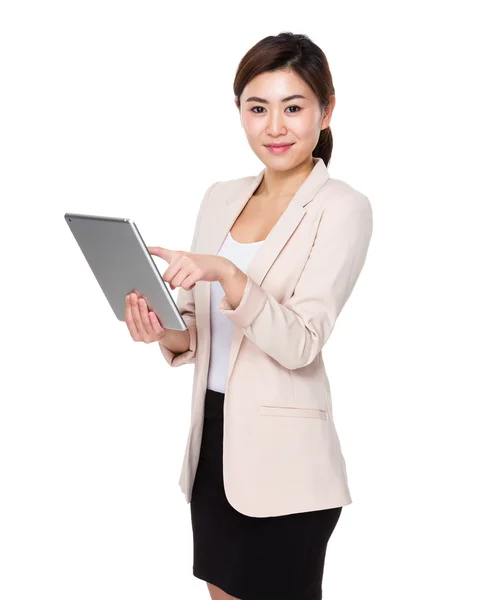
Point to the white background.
(126, 109)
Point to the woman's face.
(268, 118)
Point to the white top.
(221, 327)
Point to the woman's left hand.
(187, 268)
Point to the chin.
(277, 162)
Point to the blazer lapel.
(273, 244)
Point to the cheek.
(304, 126)
(252, 125)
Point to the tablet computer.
(121, 263)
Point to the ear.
(326, 120)
(238, 108)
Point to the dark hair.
(300, 54)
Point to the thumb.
(163, 253)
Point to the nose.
(275, 124)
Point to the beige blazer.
(281, 450)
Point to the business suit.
(281, 450)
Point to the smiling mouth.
(278, 149)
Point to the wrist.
(229, 271)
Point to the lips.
(277, 145)
(279, 148)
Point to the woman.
(273, 260)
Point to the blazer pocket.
(286, 411)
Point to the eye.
(292, 106)
(254, 110)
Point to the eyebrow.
(257, 99)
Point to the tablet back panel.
(121, 263)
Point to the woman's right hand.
(143, 325)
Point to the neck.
(285, 183)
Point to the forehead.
(274, 85)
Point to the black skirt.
(252, 558)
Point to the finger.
(171, 275)
(156, 326)
(130, 321)
(144, 317)
(137, 318)
(188, 275)
(190, 281)
(163, 253)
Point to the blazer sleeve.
(294, 333)
(186, 305)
